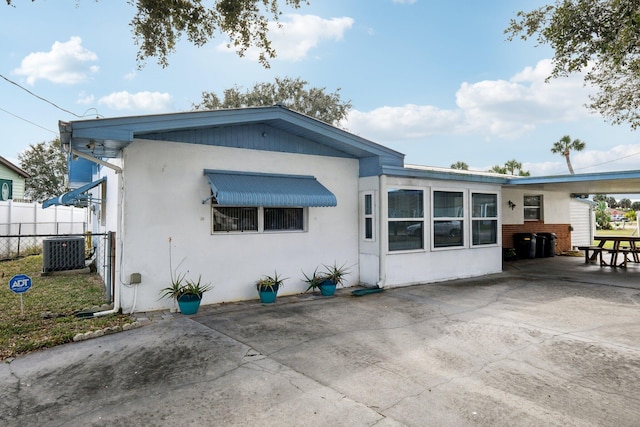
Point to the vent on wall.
(62, 253)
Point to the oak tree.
(158, 25)
(597, 37)
(47, 165)
(292, 93)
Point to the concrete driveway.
(550, 342)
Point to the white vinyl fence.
(23, 226)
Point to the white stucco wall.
(165, 187)
(555, 206)
(369, 260)
(436, 264)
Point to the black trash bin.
(550, 243)
(541, 242)
(525, 245)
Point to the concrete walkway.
(550, 342)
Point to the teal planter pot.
(268, 296)
(327, 288)
(189, 304)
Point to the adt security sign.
(20, 283)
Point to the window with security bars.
(235, 218)
(256, 219)
(283, 219)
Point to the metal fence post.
(19, 235)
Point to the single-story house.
(232, 195)
(12, 181)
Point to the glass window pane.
(367, 204)
(484, 205)
(484, 232)
(448, 204)
(368, 228)
(235, 219)
(405, 203)
(405, 235)
(447, 233)
(531, 213)
(283, 218)
(532, 200)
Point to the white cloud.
(85, 99)
(68, 63)
(130, 76)
(490, 108)
(298, 34)
(145, 101)
(617, 158)
(405, 122)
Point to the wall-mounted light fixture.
(512, 205)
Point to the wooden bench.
(596, 252)
(625, 257)
(634, 250)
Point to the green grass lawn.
(63, 295)
(628, 230)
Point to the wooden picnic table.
(622, 245)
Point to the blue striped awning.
(233, 188)
(75, 197)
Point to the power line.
(608, 161)
(39, 97)
(28, 121)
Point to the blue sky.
(434, 79)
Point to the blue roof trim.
(232, 188)
(585, 177)
(73, 197)
(106, 138)
(443, 174)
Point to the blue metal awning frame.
(72, 198)
(234, 188)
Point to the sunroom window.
(484, 219)
(406, 219)
(448, 218)
(368, 216)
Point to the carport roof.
(621, 182)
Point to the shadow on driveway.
(548, 342)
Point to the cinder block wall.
(563, 235)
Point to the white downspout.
(384, 231)
(116, 276)
(118, 169)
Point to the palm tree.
(498, 169)
(512, 165)
(564, 147)
(460, 165)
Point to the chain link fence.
(61, 252)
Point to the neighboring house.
(12, 181)
(246, 192)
